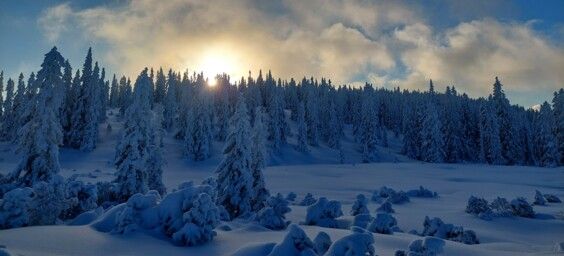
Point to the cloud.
(384, 42)
(471, 54)
(54, 21)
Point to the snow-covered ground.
(320, 174)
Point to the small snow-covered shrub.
(429, 246)
(323, 213)
(522, 208)
(552, 198)
(296, 242)
(398, 198)
(479, 207)
(501, 207)
(359, 243)
(131, 218)
(386, 207)
(437, 228)
(107, 194)
(384, 223)
(83, 197)
(49, 201)
(362, 220)
(14, 208)
(422, 192)
(199, 222)
(321, 243)
(381, 194)
(539, 198)
(308, 200)
(291, 196)
(360, 205)
(272, 216)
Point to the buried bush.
(324, 213)
(272, 216)
(437, 228)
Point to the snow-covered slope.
(318, 173)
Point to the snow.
(319, 174)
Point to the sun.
(217, 61)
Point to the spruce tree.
(160, 87)
(197, 136)
(20, 102)
(114, 93)
(368, 129)
(170, 102)
(301, 129)
(259, 156)
(234, 176)
(277, 125)
(138, 160)
(39, 138)
(490, 143)
(8, 118)
(545, 144)
(431, 136)
(558, 106)
(502, 110)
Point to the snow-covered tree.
(160, 86)
(137, 158)
(8, 117)
(114, 93)
(272, 216)
(431, 136)
(234, 176)
(170, 101)
(545, 142)
(490, 147)
(277, 121)
(360, 205)
(259, 157)
(85, 117)
(368, 129)
(198, 134)
(40, 136)
(301, 130)
(558, 106)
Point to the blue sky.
(388, 43)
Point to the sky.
(465, 44)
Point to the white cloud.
(346, 41)
(471, 54)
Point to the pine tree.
(545, 147)
(234, 177)
(126, 94)
(558, 106)
(84, 121)
(312, 115)
(259, 157)
(490, 144)
(103, 91)
(67, 100)
(368, 129)
(301, 129)
(277, 126)
(506, 131)
(170, 102)
(114, 93)
(197, 136)
(412, 132)
(20, 102)
(8, 118)
(431, 136)
(39, 138)
(160, 86)
(138, 160)
(1, 92)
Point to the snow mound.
(324, 213)
(422, 192)
(384, 223)
(437, 228)
(272, 216)
(359, 243)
